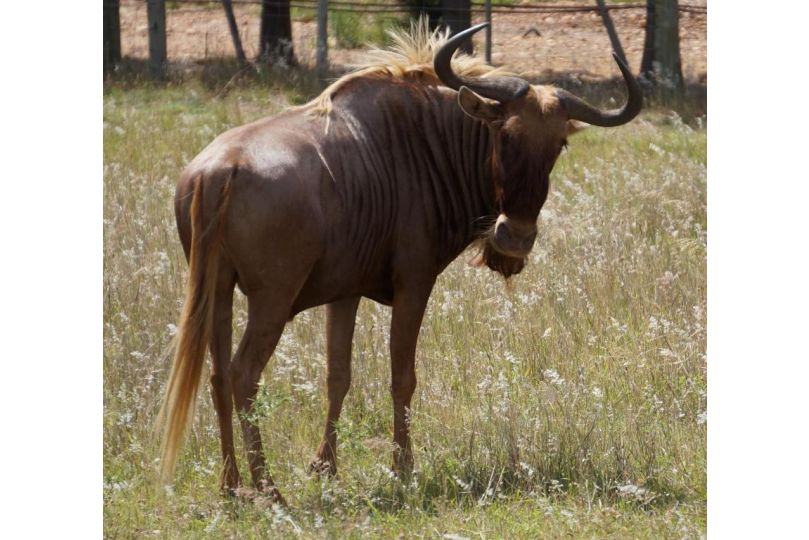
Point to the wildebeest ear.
(574, 126)
(478, 107)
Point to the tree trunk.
(457, 17)
(112, 35)
(667, 45)
(661, 64)
(275, 35)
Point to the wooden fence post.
(488, 7)
(322, 58)
(156, 15)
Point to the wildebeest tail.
(195, 326)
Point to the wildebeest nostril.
(508, 239)
(501, 232)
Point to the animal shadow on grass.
(220, 76)
(479, 487)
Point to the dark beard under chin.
(503, 264)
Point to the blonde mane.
(410, 56)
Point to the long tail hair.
(195, 327)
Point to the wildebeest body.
(369, 191)
(364, 198)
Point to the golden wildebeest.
(370, 190)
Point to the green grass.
(569, 403)
(353, 30)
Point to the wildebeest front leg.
(408, 310)
(340, 318)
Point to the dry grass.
(570, 403)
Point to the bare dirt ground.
(567, 42)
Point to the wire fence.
(530, 38)
(401, 8)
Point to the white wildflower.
(486, 383)
(209, 528)
(553, 377)
(486, 498)
(386, 471)
(463, 485)
(667, 353)
(163, 263)
(319, 521)
(306, 387)
(632, 491)
(667, 279)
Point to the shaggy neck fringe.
(410, 56)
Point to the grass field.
(570, 402)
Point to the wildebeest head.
(530, 125)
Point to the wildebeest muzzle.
(512, 237)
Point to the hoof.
(266, 495)
(229, 482)
(320, 467)
(271, 494)
(230, 492)
(402, 464)
(230, 487)
(403, 475)
(244, 494)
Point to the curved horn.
(578, 109)
(502, 89)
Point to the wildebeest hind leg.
(221, 343)
(267, 313)
(340, 318)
